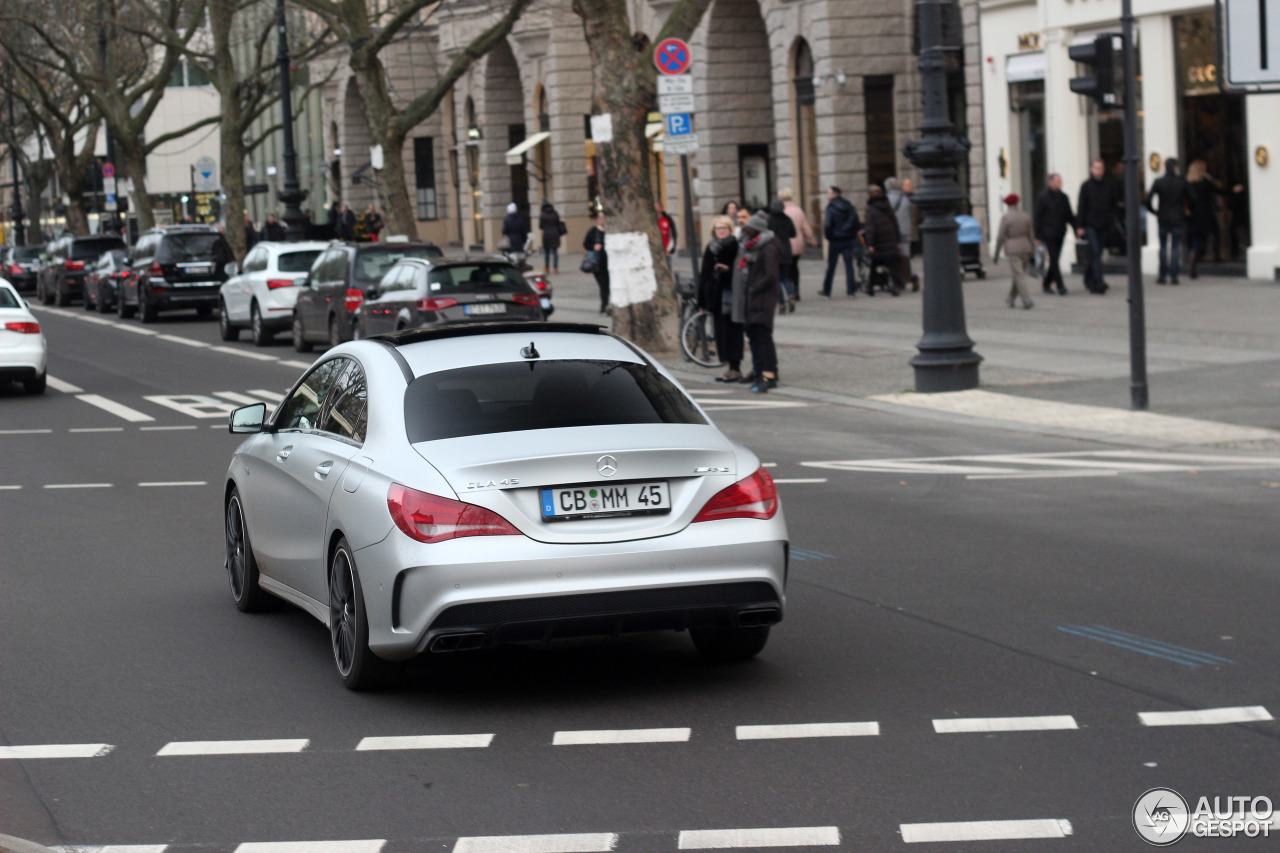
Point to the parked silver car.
(456, 488)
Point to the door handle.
(284, 453)
(323, 469)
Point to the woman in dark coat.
(715, 295)
(551, 226)
(1203, 221)
(884, 241)
(755, 298)
(594, 242)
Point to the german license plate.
(196, 269)
(600, 500)
(485, 308)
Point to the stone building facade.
(797, 94)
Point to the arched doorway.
(504, 127)
(807, 186)
(738, 116)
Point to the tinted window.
(85, 249)
(201, 246)
(348, 416)
(297, 261)
(472, 277)
(146, 248)
(7, 299)
(526, 395)
(374, 263)
(398, 278)
(255, 261)
(27, 253)
(303, 407)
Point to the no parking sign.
(672, 56)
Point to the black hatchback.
(174, 268)
(22, 265)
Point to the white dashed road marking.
(787, 836)
(621, 736)
(9, 488)
(985, 830)
(256, 356)
(1027, 466)
(176, 483)
(233, 747)
(292, 363)
(97, 429)
(25, 431)
(803, 480)
(180, 340)
(120, 410)
(167, 428)
(370, 845)
(424, 742)
(56, 750)
(1004, 724)
(114, 848)
(59, 385)
(595, 842)
(1207, 717)
(78, 486)
(808, 730)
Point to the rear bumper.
(175, 297)
(24, 282)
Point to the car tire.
(335, 332)
(357, 665)
(257, 328)
(103, 307)
(726, 645)
(37, 385)
(300, 342)
(88, 306)
(60, 297)
(226, 331)
(123, 311)
(242, 568)
(146, 310)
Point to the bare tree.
(625, 87)
(366, 33)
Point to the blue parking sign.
(679, 124)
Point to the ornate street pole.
(292, 195)
(19, 229)
(946, 361)
(1138, 392)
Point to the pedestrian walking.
(347, 225)
(333, 219)
(1017, 237)
(1203, 220)
(373, 223)
(755, 296)
(553, 228)
(1170, 190)
(784, 230)
(804, 236)
(915, 245)
(273, 230)
(840, 226)
(514, 235)
(1052, 219)
(884, 240)
(1095, 215)
(594, 242)
(900, 204)
(667, 225)
(251, 236)
(715, 295)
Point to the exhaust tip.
(457, 642)
(758, 617)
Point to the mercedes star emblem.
(607, 466)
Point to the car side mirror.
(231, 268)
(247, 419)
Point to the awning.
(515, 155)
(1023, 67)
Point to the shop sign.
(1029, 41)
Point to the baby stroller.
(969, 236)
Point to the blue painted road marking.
(1142, 645)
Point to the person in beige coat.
(1016, 237)
(804, 236)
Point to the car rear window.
(466, 278)
(518, 396)
(85, 249)
(298, 261)
(27, 253)
(179, 248)
(372, 264)
(8, 299)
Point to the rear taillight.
(436, 303)
(431, 518)
(156, 270)
(754, 497)
(72, 265)
(277, 283)
(540, 283)
(23, 328)
(354, 297)
(14, 269)
(526, 299)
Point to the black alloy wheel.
(257, 328)
(146, 309)
(358, 667)
(300, 342)
(123, 311)
(335, 332)
(242, 568)
(103, 307)
(226, 331)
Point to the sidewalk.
(1213, 349)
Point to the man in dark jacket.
(347, 224)
(1052, 216)
(755, 295)
(1171, 215)
(272, 230)
(840, 226)
(884, 241)
(1094, 217)
(783, 229)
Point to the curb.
(9, 844)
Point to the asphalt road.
(1079, 590)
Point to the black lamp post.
(946, 361)
(292, 195)
(19, 229)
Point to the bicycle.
(697, 328)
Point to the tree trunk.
(625, 87)
(221, 13)
(133, 160)
(371, 81)
(400, 214)
(36, 176)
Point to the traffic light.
(1101, 54)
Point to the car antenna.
(530, 351)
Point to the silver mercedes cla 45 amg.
(455, 488)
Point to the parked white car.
(260, 296)
(22, 349)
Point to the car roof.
(301, 246)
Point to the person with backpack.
(840, 226)
(553, 228)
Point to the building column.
(1160, 135)
(1262, 120)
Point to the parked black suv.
(62, 267)
(22, 266)
(175, 267)
(341, 278)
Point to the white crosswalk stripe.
(788, 836)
